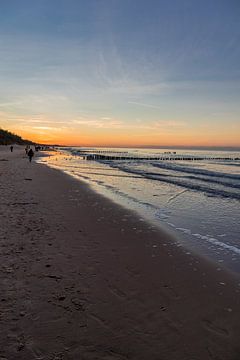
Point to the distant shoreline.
(203, 148)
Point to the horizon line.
(195, 147)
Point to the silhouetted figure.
(26, 149)
(30, 154)
(11, 148)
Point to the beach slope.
(82, 278)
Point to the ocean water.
(198, 201)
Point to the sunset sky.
(121, 72)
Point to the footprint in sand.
(117, 292)
(215, 328)
(172, 293)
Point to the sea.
(192, 194)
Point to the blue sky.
(121, 72)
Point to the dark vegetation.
(8, 138)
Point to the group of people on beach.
(28, 150)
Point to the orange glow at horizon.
(138, 138)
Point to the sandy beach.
(84, 279)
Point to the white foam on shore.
(208, 238)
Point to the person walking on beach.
(11, 148)
(30, 155)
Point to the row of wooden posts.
(161, 158)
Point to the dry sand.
(82, 278)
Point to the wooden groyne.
(103, 152)
(99, 157)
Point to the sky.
(121, 72)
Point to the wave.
(192, 170)
(194, 183)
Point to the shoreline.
(168, 233)
(78, 288)
(224, 254)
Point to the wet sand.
(82, 278)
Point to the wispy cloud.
(104, 123)
(106, 118)
(144, 104)
(51, 128)
(7, 104)
(108, 123)
(169, 124)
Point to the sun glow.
(134, 138)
